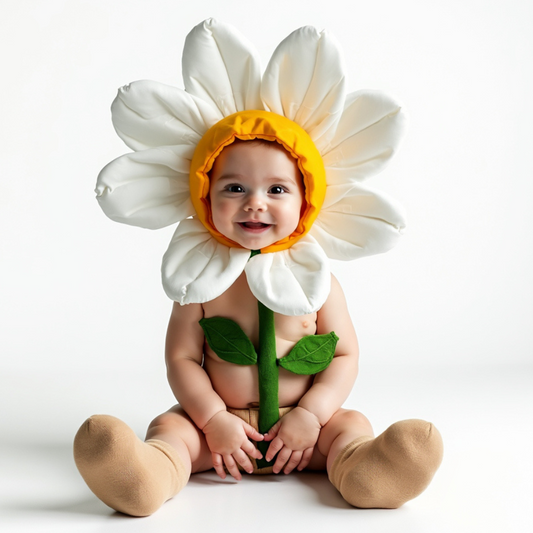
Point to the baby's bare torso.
(237, 385)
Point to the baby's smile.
(254, 226)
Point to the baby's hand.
(227, 437)
(294, 436)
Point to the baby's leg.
(136, 477)
(382, 472)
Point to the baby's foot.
(391, 469)
(129, 475)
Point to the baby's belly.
(238, 386)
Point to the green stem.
(268, 376)
(268, 372)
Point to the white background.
(82, 312)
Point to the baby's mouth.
(254, 226)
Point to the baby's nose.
(255, 203)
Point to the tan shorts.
(251, 416)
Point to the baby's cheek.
(222, 214)
(295, 218)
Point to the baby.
(256, 196)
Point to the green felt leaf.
(311, 354)
(226, 338)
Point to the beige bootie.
(129, 475)
(391, 469)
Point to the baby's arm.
(226, 434)
(332, 387)
(296, 434)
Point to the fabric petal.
(357, 221)
(293, 282)
(147, 114)
(367, 136)
(222, 67)
(304, 81)
(149, 188)
(196, 268)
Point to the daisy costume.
(338, 141)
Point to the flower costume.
(356, 136)
(300, 102)
(337, 141)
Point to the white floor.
(485, 483)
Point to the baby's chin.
(253, 238)
(254, 242)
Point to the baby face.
(256, 193)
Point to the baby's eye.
(235, 188)
(277, 189)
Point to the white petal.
(147, 114)
(304, 81)
(196, 268)
(149, 188)
(369, 133)
(293, 282)
(357, 222)
(222, 67)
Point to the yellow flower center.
(248, 125)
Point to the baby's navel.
(305, 324)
